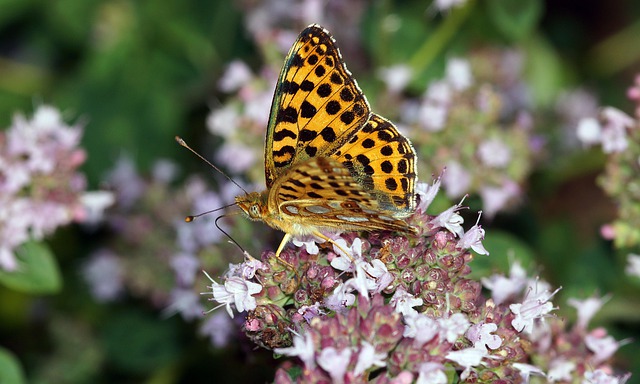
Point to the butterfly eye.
(254, 210)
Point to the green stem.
(425, 55)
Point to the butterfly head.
(253, 204)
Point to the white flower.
(235, 76)
(431, 373)
(603, 346)
(481, 337)
(427, 193)
(456, 180)
(535, 306)
(600, 376)
(185, 302)
(335, 362)
(503, 288)
(467, 358)
(403, 302)
(560, 369)
(94, 204)
(421, 328)
(223, 121)
(526, 370)
(341, 298)
(589, 131)
(395, 77)
(586, 308)
(309, 243)
(445, 5)
(368, 358)
(633, 265)
(451, 220)
(235, 291)
(303, 348)
(473, 239)
(219, 328)
(458, 74)
(496, 198)
(452, 327)
(346, 261)
(494, 153)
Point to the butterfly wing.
(322, 193)
(383, 162)
(317, 105)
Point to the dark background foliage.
(140, 72)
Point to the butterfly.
(330, 163)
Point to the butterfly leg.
(287, 237)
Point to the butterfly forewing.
(317, 104)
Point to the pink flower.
(185, 266)
(614, 131)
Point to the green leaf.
(10, 368)
(38, 271)
(515, 19)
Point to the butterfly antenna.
(184, 144)
(190, 218)
(226, 234)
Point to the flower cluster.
(155, 255)
(41, 188)
(396, 309)
(618, 134)
(473, 122)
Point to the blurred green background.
(137, 73)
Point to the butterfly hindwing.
(322, 191)
(383, 162)
(317, 105)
